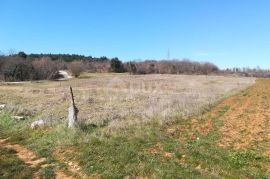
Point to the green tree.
(22, 55)
(116, 65)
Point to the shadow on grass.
(87, 128)
(12, 167)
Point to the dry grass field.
(117, 101)
(146, 126)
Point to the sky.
(228, 33)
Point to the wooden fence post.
(72, 111)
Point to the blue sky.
(226, 32)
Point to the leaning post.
(72, 111)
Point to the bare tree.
(174, 67)
(45, 68)
(76, 68)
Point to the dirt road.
(65, 75)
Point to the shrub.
(98, 66)
(17, 69)
(76, 68)
(45, 68)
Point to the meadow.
(135, 126)
(116, 101)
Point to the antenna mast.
(168, 54)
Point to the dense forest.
(22, 67)
(66, 57)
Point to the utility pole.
(168, 55)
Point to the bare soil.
(246, 123)
(245, 120)
(30, 158)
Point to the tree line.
(171, 67)
(22, 67)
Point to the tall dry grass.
(117, 101)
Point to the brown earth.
(24, 154)
(30, 158)
(64, 156)
(246, 123)
(245, 120)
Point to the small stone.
(199, 167)
(18, 118)
(2, 106)
(36, 124)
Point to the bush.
(98, 66)
(76, 68)
(17, 69)
(45, 68)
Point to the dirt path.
(24, 154)
(30, 158)
(65, 75)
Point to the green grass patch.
(47, 173)
(118, 157)
(121, 155)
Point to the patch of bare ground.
(158, 149)
(235, 134)
(202, 126)
(62, 175)
(73, 167)
(246, 123)
(30, 158)
(24, 154)
(245, 120)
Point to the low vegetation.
(11, 166)
(177, 145)
(23, 67)
(117, 101)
